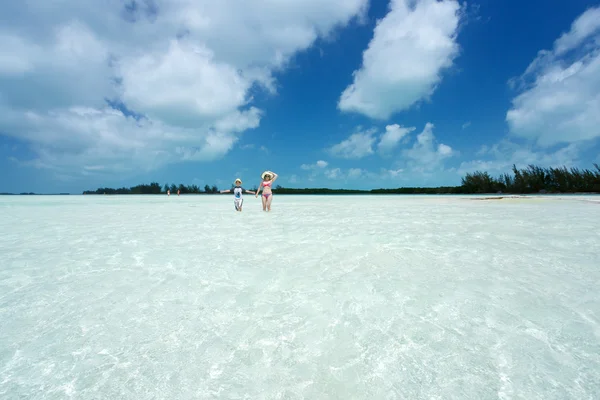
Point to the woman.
(268, 178)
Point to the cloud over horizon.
(178, 65)
(503, 155)
(350, 91)
(425, 154)
(559, 102)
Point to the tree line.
(532, 179)
(156, 188)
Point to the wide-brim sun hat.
(266, 173)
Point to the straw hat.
(266, 173)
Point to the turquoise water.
(354, 297)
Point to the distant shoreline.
(36, 194)
(488, 196)
(532, 180)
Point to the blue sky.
(329, 93)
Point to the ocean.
(325, 297)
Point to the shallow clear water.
(326, 297)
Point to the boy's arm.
(250, 191)
(226, 191)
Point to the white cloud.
(343, 176)
(560, 102)
(319, 164)
(361, 173)
(105, 140)
(71, 70)
(358, 145)
(346, 174)
(466, 125)
(190, 66)
(355, 173)
(444, 150)
(586, 25)
(183, 85)
(411, 47)
(251, 146)
(425, 154)
(392, 173)
(392, 136)
(334, 173)
(319, 169)
(483, 150)
(500, 158)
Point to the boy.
(238, 199)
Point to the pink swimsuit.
(266, 184)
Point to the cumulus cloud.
(358, 145)
(392, 136)
(334, 173)
(559, 100)
(426, 154)
(423, 154)
(345, 175)
(392, 173)
(500, 157)
(251, 146)
(352, 174)
(319, 164)
(72, 69)
(106, 140)
(320, 170)
(411, 47)
(340, 176)
(189, 68)
(183, 85)
(355, 172)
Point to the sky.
(357, 94)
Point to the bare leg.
(264, 203)
(269, 200)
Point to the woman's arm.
(258, 191)
(274, 177)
